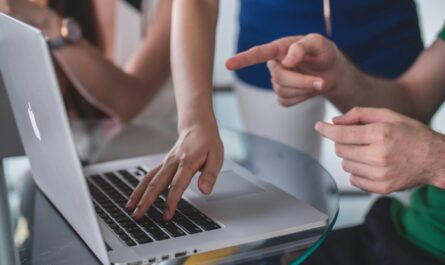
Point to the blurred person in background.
(92, 84)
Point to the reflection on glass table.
(43, 236)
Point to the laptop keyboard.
(110, 192)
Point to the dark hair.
(83, 11)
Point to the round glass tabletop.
(284, 167)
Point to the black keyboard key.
(143, 239)
(210, 226)
(115, 180)
(188, 226)
(183, 204)
(142, 170)
(159, 203)
(133, 230)
(174, 231)
(150, 227)
(132, 180)
(189, 211)
(130, 242)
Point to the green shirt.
(423, 222)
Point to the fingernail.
(231, 64)
(336, 118)
(166, 213)
(317, 126)
(318, 85)
(128, 203)
(206, 187)
(135, 212)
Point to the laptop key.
(130, 242)
(210, 226)
(188, 226)
(183, 204)
(174, 231)
(133, 181)
(150, 227)
(144, 240)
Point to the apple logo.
(33, 122)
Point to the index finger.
(262, 53)
(344, 134)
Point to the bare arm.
(312, 65)
(121, 92)
(192, 51)
(199, 147)
(417, 93)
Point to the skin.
(121, 93)
(199, 149)
(384, 151)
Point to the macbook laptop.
(241, 208)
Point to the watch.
(70, 32)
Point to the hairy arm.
(306, 66)
(418, 93)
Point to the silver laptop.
(241, 208)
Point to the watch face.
(71, 30)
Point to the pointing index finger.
(262, 53)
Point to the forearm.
(355, 88)
(114, 91)
(192, 51)
(437, 165)
(121, 92)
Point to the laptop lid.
(33, 91)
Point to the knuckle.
(383, 159)
(185, 160)
(170, 159)
(315, 37)
(346, 167)
(281, 92)
(356, 110)
(339, 150)
(382, 175)
(152, 186)
(277, 76)
(283, 102)
(385, 189)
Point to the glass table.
(42, 236)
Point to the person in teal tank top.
(383, 140)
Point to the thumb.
(359, 115)
(312, 44)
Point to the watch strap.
(57, 43)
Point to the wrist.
(343, 73)
(197, 120)
(437, 165)
(50, 24)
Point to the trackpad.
(228, 186)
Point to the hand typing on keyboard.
(110, 192)
(199, 149)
